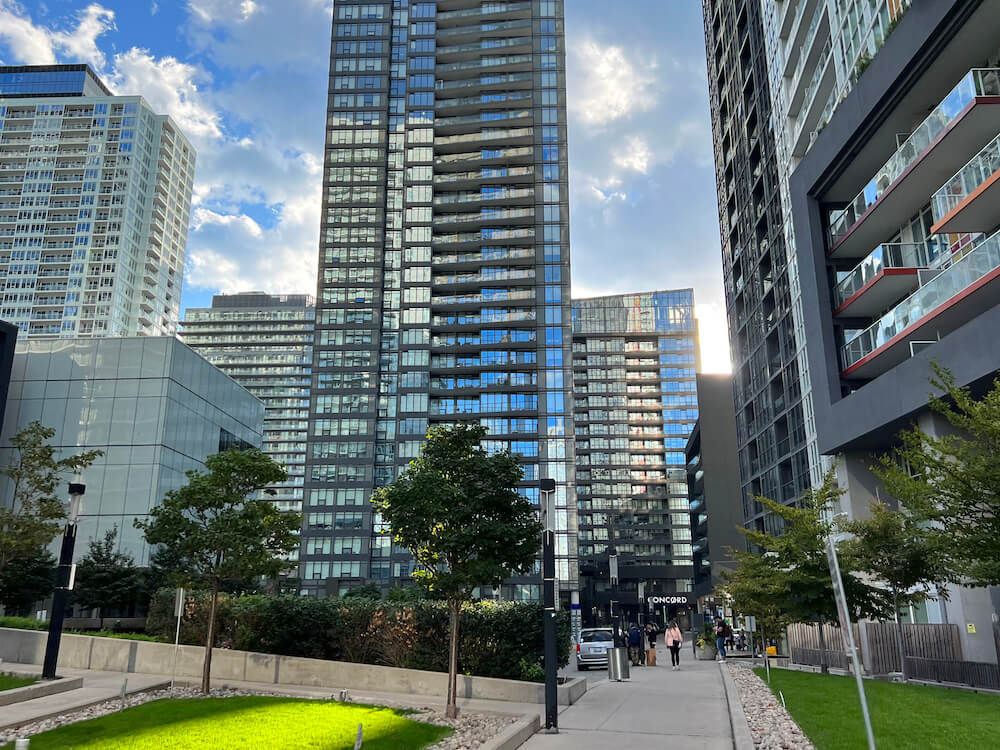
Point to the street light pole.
(547, 488)
(64, 582)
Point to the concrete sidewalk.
(687, 709)
(97, 688)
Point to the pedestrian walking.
(674, 639)
(634, 644)
(722, 633)
(651, 632)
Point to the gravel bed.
(471, 729)
(771, 726)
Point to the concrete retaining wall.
(120, 655)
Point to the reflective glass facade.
(264, 342)
(95, 198)
(444, 266)
(635, 404)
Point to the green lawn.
(9, 682)
(903, 716)
(246, 723)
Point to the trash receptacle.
(618, 665)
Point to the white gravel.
(771, 725)
(471, 729)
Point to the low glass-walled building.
(635, 403)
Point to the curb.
(515, 735)
(742, 739)
(40, 690)
(90, 704)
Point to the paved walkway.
(656, 708)
(97, 688)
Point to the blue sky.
(246, 81)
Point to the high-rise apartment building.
(635, 403)
(264, 342)
(896, 218)
(777, 71)
(443, 289)
(95, 197)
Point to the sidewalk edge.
(742, 739)
(515, 735)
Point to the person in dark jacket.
(634, 644)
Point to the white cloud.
(170, 86)
(612, 85)
(636, 155)
(154, 8)
(35, 45)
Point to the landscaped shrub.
(24, 623)
(497, 639)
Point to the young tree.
(221, 530)
(457, 511)
(26, 579)
(802, 584)
(754, 587)
(900, 552)
(30, 514)
(105, 577)
(954, 480)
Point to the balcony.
(951, 135)
(968, 201)
(507, 80)
(485, 12)
(517, 63)
(463, 160)
(461, 51)
(518, 136)
(476, 102)
(946, 302)
(887, 275)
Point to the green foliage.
(24, 623)
(900, 552)
(405, 594)
(218, 530)
(457, 511)
(953, 480)
(531, 671)
(367, 591)
(903, 716)
(30, 514)
(243, 722)
(496, 636)
(214, 527)
(27, 579)
(107, 578)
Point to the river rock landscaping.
(771, 726)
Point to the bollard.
(21, 744)
(124, 688)
(357, 742)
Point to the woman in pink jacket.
(673, 638)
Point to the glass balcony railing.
(484, 44)
(496, 153)
(486, 134)
(467, 101)
(487, 116)
(484, 235)
(977, 264)
(485, 62)
(487, 214)
(487, 254)
(487, 9)
(977, 82)
(486, 80)
(887, 255)
(477, 196)
(473, 30)
(968, 178)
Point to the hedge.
(497, 639)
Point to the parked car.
(592, 648)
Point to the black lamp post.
(64, 581)
(547, 488)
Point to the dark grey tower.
(444, 265)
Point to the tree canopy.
(30, 515)
(106, 577)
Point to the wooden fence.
(877, 643)
(921, 640)
(974, 673)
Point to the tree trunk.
(899, 635)
(455, 610)
(823, 666)
(206, 673)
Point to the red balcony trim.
(995, 273)
(872, 282)
(936, 228)
(930, 147)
